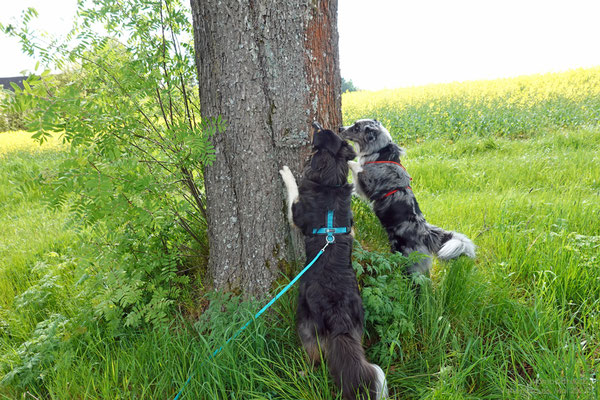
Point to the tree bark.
(268, 68)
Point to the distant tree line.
(10, 120)
(348, 86)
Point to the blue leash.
(329, 231)
(269, 304)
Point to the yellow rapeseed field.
(502, 107)
(22, 141)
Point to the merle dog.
(330, 313)
(380, 178)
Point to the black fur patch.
(330, 314)
(391, 152)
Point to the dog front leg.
(355, 168)
(292, 190)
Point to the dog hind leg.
(421, 267)
(308, 336)
(406, 238)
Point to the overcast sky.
(403, 43)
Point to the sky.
(406, 43)
(397, 43)
(55, 17)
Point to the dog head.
(368, 134)
(329, 162)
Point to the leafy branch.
(128, 107)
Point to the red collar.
(389, 162)
(393, 191)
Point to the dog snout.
(344, 132)
(341, 129)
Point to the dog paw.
(285, 172)
(287, 176)
(355, 166)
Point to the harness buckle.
(330, 230)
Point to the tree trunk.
(268, 68)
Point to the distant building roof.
(18, 80)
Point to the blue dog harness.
(329, 230)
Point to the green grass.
(519, 322)
(32, 237)
(29, 231)
(533, 296)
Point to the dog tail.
(456, 245)
(351, 371)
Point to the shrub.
(389, 299)
(35, 355)
(129, 111)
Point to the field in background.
(513, 107)
(520, 322)
(20, 142)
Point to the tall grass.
(532, 298)
(519, 322)
(29, 230)
(32, 237)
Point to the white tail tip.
(382, 389)
(459, 244)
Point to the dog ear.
(395, 150)
(391, 151)
(328, 140)
(370, 134)
(347, 151)
(319, 161)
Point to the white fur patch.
(382, 388)
(292, 190)
(459, 244)
(356, 168)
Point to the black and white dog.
(380, 178)
(330, 312)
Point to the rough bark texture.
(269, 68)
